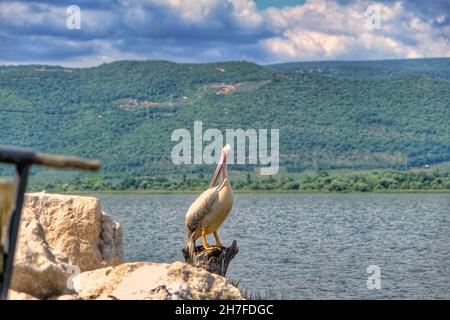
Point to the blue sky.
(262, 31)
(263, 4)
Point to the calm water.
(308, 246)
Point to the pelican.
(207, 213)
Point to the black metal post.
(22, 170)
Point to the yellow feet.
(206, 246)
(216, 236)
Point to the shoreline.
(181, 192)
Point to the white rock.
(150, 281)
(60, 235)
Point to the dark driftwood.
(215, 261)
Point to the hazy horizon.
(224, 61)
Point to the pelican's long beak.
(220, 165)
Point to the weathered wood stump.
(215, 261)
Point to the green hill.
(356, 115)
(382, 69)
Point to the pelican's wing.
(200, 208)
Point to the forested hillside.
(352, 115)
(383, 69)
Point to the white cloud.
(322, 29)
(246, 13)
(210, 30)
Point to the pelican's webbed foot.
(206, 246)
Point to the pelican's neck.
(224, 179)
(223, 174)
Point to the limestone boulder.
(61, 236)
(37, 270)
(153, 281)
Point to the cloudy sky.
(263, 31)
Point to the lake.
(308, 246)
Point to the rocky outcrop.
(37, 269)
(153, 281)
(69, 249)
(59, 236)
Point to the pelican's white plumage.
(207, 213)
(200, 208)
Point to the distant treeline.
(320, 181)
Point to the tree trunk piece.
(215, 261)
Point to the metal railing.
(23, 159)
